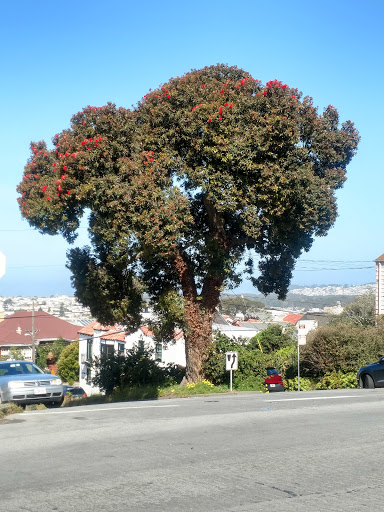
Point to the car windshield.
(18, 368)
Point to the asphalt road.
(317, 451)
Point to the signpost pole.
(298, 366)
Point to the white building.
(380, 285)
(96, 339)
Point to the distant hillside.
(312, 297)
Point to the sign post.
(231, 363)
(301, 340)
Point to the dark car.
(74, 392)
(273, 381)
(372, 375)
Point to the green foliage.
(338, 380)
(273, 338)
(341, 347)
(204, 169)
(68, 364)
(306, 384)
(251, 363)
(135, 369)
(49, 351)
(360, 312)
(14, 353)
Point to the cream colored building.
(380, 285)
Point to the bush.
(274, 337)
(341, 347)
(305, 384)
(49, 351)
(135, 369)
(338, 380)
(68, 364)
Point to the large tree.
(184, 189)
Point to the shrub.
(135, 369)
(338, 380)
(68, 364)
(306, 384)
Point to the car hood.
(33, 377)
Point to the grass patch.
(10, 408)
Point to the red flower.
(74, 155)
(209, 120)
(265, 93)
(54, 165)
(48, 198)
(45, 188)
(64, 167)
(284, 86)
(222, 90)
(203, 85)
(69, 192)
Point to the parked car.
(23, 382)
(274, 380)
(74, 392)
(372, 375)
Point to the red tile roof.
(88, 329)
(292, 318)
(114, 335)
(380, 258)
(146, 330)
(16, 328)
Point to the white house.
(96, 339)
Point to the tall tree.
(206, 171)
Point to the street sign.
(2, 264)
(231, 360)
(301, 335)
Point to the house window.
(159, 351)
(140, 345)
(106, 350)
(120, 348)
(89, 350)
(89, 375)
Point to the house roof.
(380, 258)
(292, 318)
(88, 329)
(115, 336)
(16, 328)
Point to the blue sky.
(57, 58)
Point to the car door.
(378, 373)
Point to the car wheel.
(52, 405)
(368, 382)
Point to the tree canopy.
(204, 173)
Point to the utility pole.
(33, 331)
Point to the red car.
(274, 381)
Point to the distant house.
(16, 331)
(96, 339)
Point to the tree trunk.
(197, 337)
(199, 313)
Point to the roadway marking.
(312, 398)
(81, 409)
